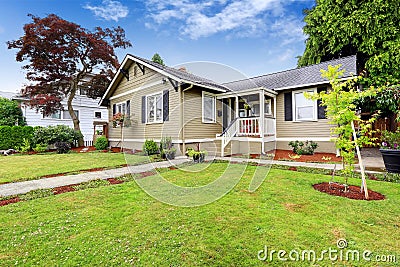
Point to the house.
(255, 115)
(92, 116)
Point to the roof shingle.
(295, 78)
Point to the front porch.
(248, 116)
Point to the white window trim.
(162, 108)
(269, 112)
(120, 104)
(61, 116)
(202, 107)
(315, 106)
(94, 115)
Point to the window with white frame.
(304, 109)
(154, 108)
(267, 106)
(121, 108)
(62, 115)
(209, 107)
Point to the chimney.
(183, 69)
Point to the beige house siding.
(134, 135)
(195, 128)
(139, 130)
(292, 129)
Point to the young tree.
(157, 58)
(10, 113)
(341, 110)
(370, 29)
(61, 56)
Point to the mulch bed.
(114, 181)
(63, 189)
(9, 201)
(354, 192)
(289, 155)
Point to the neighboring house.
(255, 115)
(8, 95)
(87, 109)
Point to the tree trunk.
(75, 119)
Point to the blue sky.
(253, 36)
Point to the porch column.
(237, 106)
(261, 123)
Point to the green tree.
(341, 110)
(157, 58)
(10, 113)
(370, 29)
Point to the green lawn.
(28, 167)
(120, 225)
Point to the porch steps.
(227, 149)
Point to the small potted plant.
(390, 150)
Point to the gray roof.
(8, 95)
(295, 78)
(183, 75)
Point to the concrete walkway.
(45, 183)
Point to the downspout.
(182, 119)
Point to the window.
(267, 106)
(66, 115)
(304, 109)
(154, 108)
(121, 108)
(208, 108)
(62, 115)
(55, 115)
(97, 115)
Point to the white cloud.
(1, 29)
(290, 29)
(241, 18)
(109, 10)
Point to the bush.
(25, 147)
(40, 148)
(53, 134)
(13, 136)
(62, 147)
(101, 143)
(166, 148)
(169, 153)
(301, 148)
(150, 147)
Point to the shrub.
(150, 147)
(169, 153)
(25, 147)
(53, 134)
(301, 148)
(62, 147)
(101, 143)
(40, 148)
(166, 148)
(13, 136)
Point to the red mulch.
(145, 174)
(317, 157)
(114, 181)
(9, 201)
(63, 189)
(354, 192)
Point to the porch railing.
(228, 134)
(269, 126)
(248, 126)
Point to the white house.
(88, 110)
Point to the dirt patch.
(63, 189)
(288, 155)
(354, 192)
(9, 201)
(114, 181)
